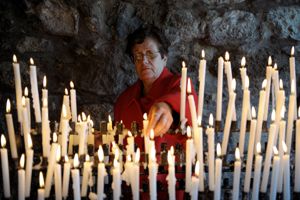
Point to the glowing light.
(3, 141)
(41, 180)
(284, 147)
(197, 168)
(8, 106)
(264, 84)
(151, 134)
(137, 155)
(66, 92)
(54, 137)
(189, 86)
(129, 134)
(183, 64)
(76, 161)
(100, 153)
(275, 151)
(58, 152)
(29, 141)
(83, 116)
(22, 160)
(211, 120)
(15, 58)
(71, 84)
(218, 150)
(258, 148)
(253, 112)
(280, 84)
(270, 61)
(292, 51)
(188, 131)
(202, 54)
(273, 115)
(243, 61)
(31, 61)
(26, 92)
(226, 56)
(237, 154)
(66, 158)
(145, 116)
(45, 82)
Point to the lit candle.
(45, 129)
(201, 78)
(109, 124)
(219, 89)
(146, 137)
(245, 110)
(190, 153)
(192, 106)
(195, 183)
(297, 155)
(218, 174)
(5, 168)
(135, 183)
(76, 178)
(73, 102)
(116, 174)
(250, 151)
(82, 133)
(87, 167)
(237, 175)
(65, 129)
(66, 177)
(275, 173)
(27, 102)
(257, 172)
(286, 173)
(183, 92)
(271, 141)
(210, 131)
(152, 166)
(291, 118)
(229, 117)
(35, 92)
(275, 79)
(171, 178)
(18, 86)
(28, 169)
(11, 131)
(41, 190)
(280, 102)
(293, 77)
(126, 175)
(101, 174)
(57, 175)
(261, 109)
(228, 72)
(130, 144)
(21, 179)
(66, 113)
(282, 125)
(198, 142)
(44, 90)
(25, 125)
(243, 71)
(269, 72)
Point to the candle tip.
(197, 168)
(258, 148)
(280, 84)
(226, 56)
(145, 116)
(31, 61)
(8, 106)
(292, 51)
(233, 84)
(202, 54)
(152, 134)
(275, 66)
(71, 84)
(15, 58)
(41, 180)
(100, 153)
(273, 115)
(218, 150)
(3, 141)
(22, 160)
(26, 91)
(237, 154)
(269, 61)
(253, 112)
(211, 119)
(45, 82)
(284, 147)
(275, 151)
(183, 64)
(29, 141)
(129, 134)
(188, 131)
(243, 61)
(76, 161)
(189, 87)
(264, 84)
(137, 155)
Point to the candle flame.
(88, 118)
(115, 162)
(87, 158)
(26, 91)
(153, 154)
(58, 152)
(199, 121)
(243, 61)
(233, 84)
(275, 66)
(211, 120)
(109, 119)
(253, 112)
(79, 118)
(91, 123)
(292, 51)
(202, 54)
(237, 154)
(137, 155)
(66, 158)
(23, 101)
(71, 84)
(172, 150)
(269, 61)
(189, 87)
(45, 82)
(284, 147)
(197, 168)
(66, 92)
(218, 150)
(152, 134)
(76, 161)
(293, 87)
(170, 158)
(145, 116)
(55, 137)
(83, 116)
(31, 61)
(41, 180)
(188, 131)
(45, 102)
(275, 151)
(282, 112)
(29, 141)
(100, 153)
(15, 58)
(128, 158)
(129, 134)
(226, 56)
(3, 141)
(258, 148)
(280, 84)
(22, 160)
(264, 84)
(117, 154)
(8, 106)
(64, 111)
(183, 64)
(247, 82)
(273, 115)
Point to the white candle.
(11, 131)
(28, 169)
(280, 102)
(245, 110)
(219, 89)
(257, 172)
(286, 173)
(228, 72)
(218, 174)
(41, 190)
(297, 155)
(44, 90)
(152, 167)
(101, 175)
(198, 142)
(86, 171)
(65, 114)
(282, 126)
(192, 106)
(291, 114)
(57, 176)
(171, 178)
(45, 129)
(21, 179)
(201, 78)
(65, 129)
(237, 175)
(66, 178)
(82, 133)
(243, 71)
(183, 92)
(250, 152)
(195, 183)
(116, 174)
(275, 173)
(76, 178)
(130, 144)
(293, 77)
(135, 182)
(35, 92)
(25, 125)
(269, 151)
(261, 109)
(146, 137)
(269, 71)
(73, 102)
(27, 102)
(5, 168)
(210, 131)
(18, 87)
(229, 117)
(275, 79)
(190, 153)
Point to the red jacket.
(131, 105)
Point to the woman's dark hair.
(139, 35)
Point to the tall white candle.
(210, 131)
(293, 76)
(82, 133)
(73, 102)
(280, 102)
(35, 92)
(146, 137)
(44, 90)
(28, 169)
(183, 91)
(190, 152)
(25, 125)
(5, 168)
(250, 152)
(269, 71)
(130, 144)
(275, 79)
(27, 100)
(286, 173)
(229, 117)
(76, 178)
(45, 129)
(291, 114)
(116, 174)
(171, 178)
(57, 176)
(257, 172)
(65, 129)
(219, 89)
(66, 178)
(218, 174)
(41, 190)
(192, 107)
(101, 175)
(65, 114)
(261, 109)
(201, 79)
(243, 71)
(135, 182)
(282, 126)
(297, 155)
(237, 175)
(86, 171)
(275, 173)
(21, 179)
(152, 166)
(18, 87)
(195, 182)
(11, 131)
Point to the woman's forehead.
(147, 44)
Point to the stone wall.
(84, 41)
